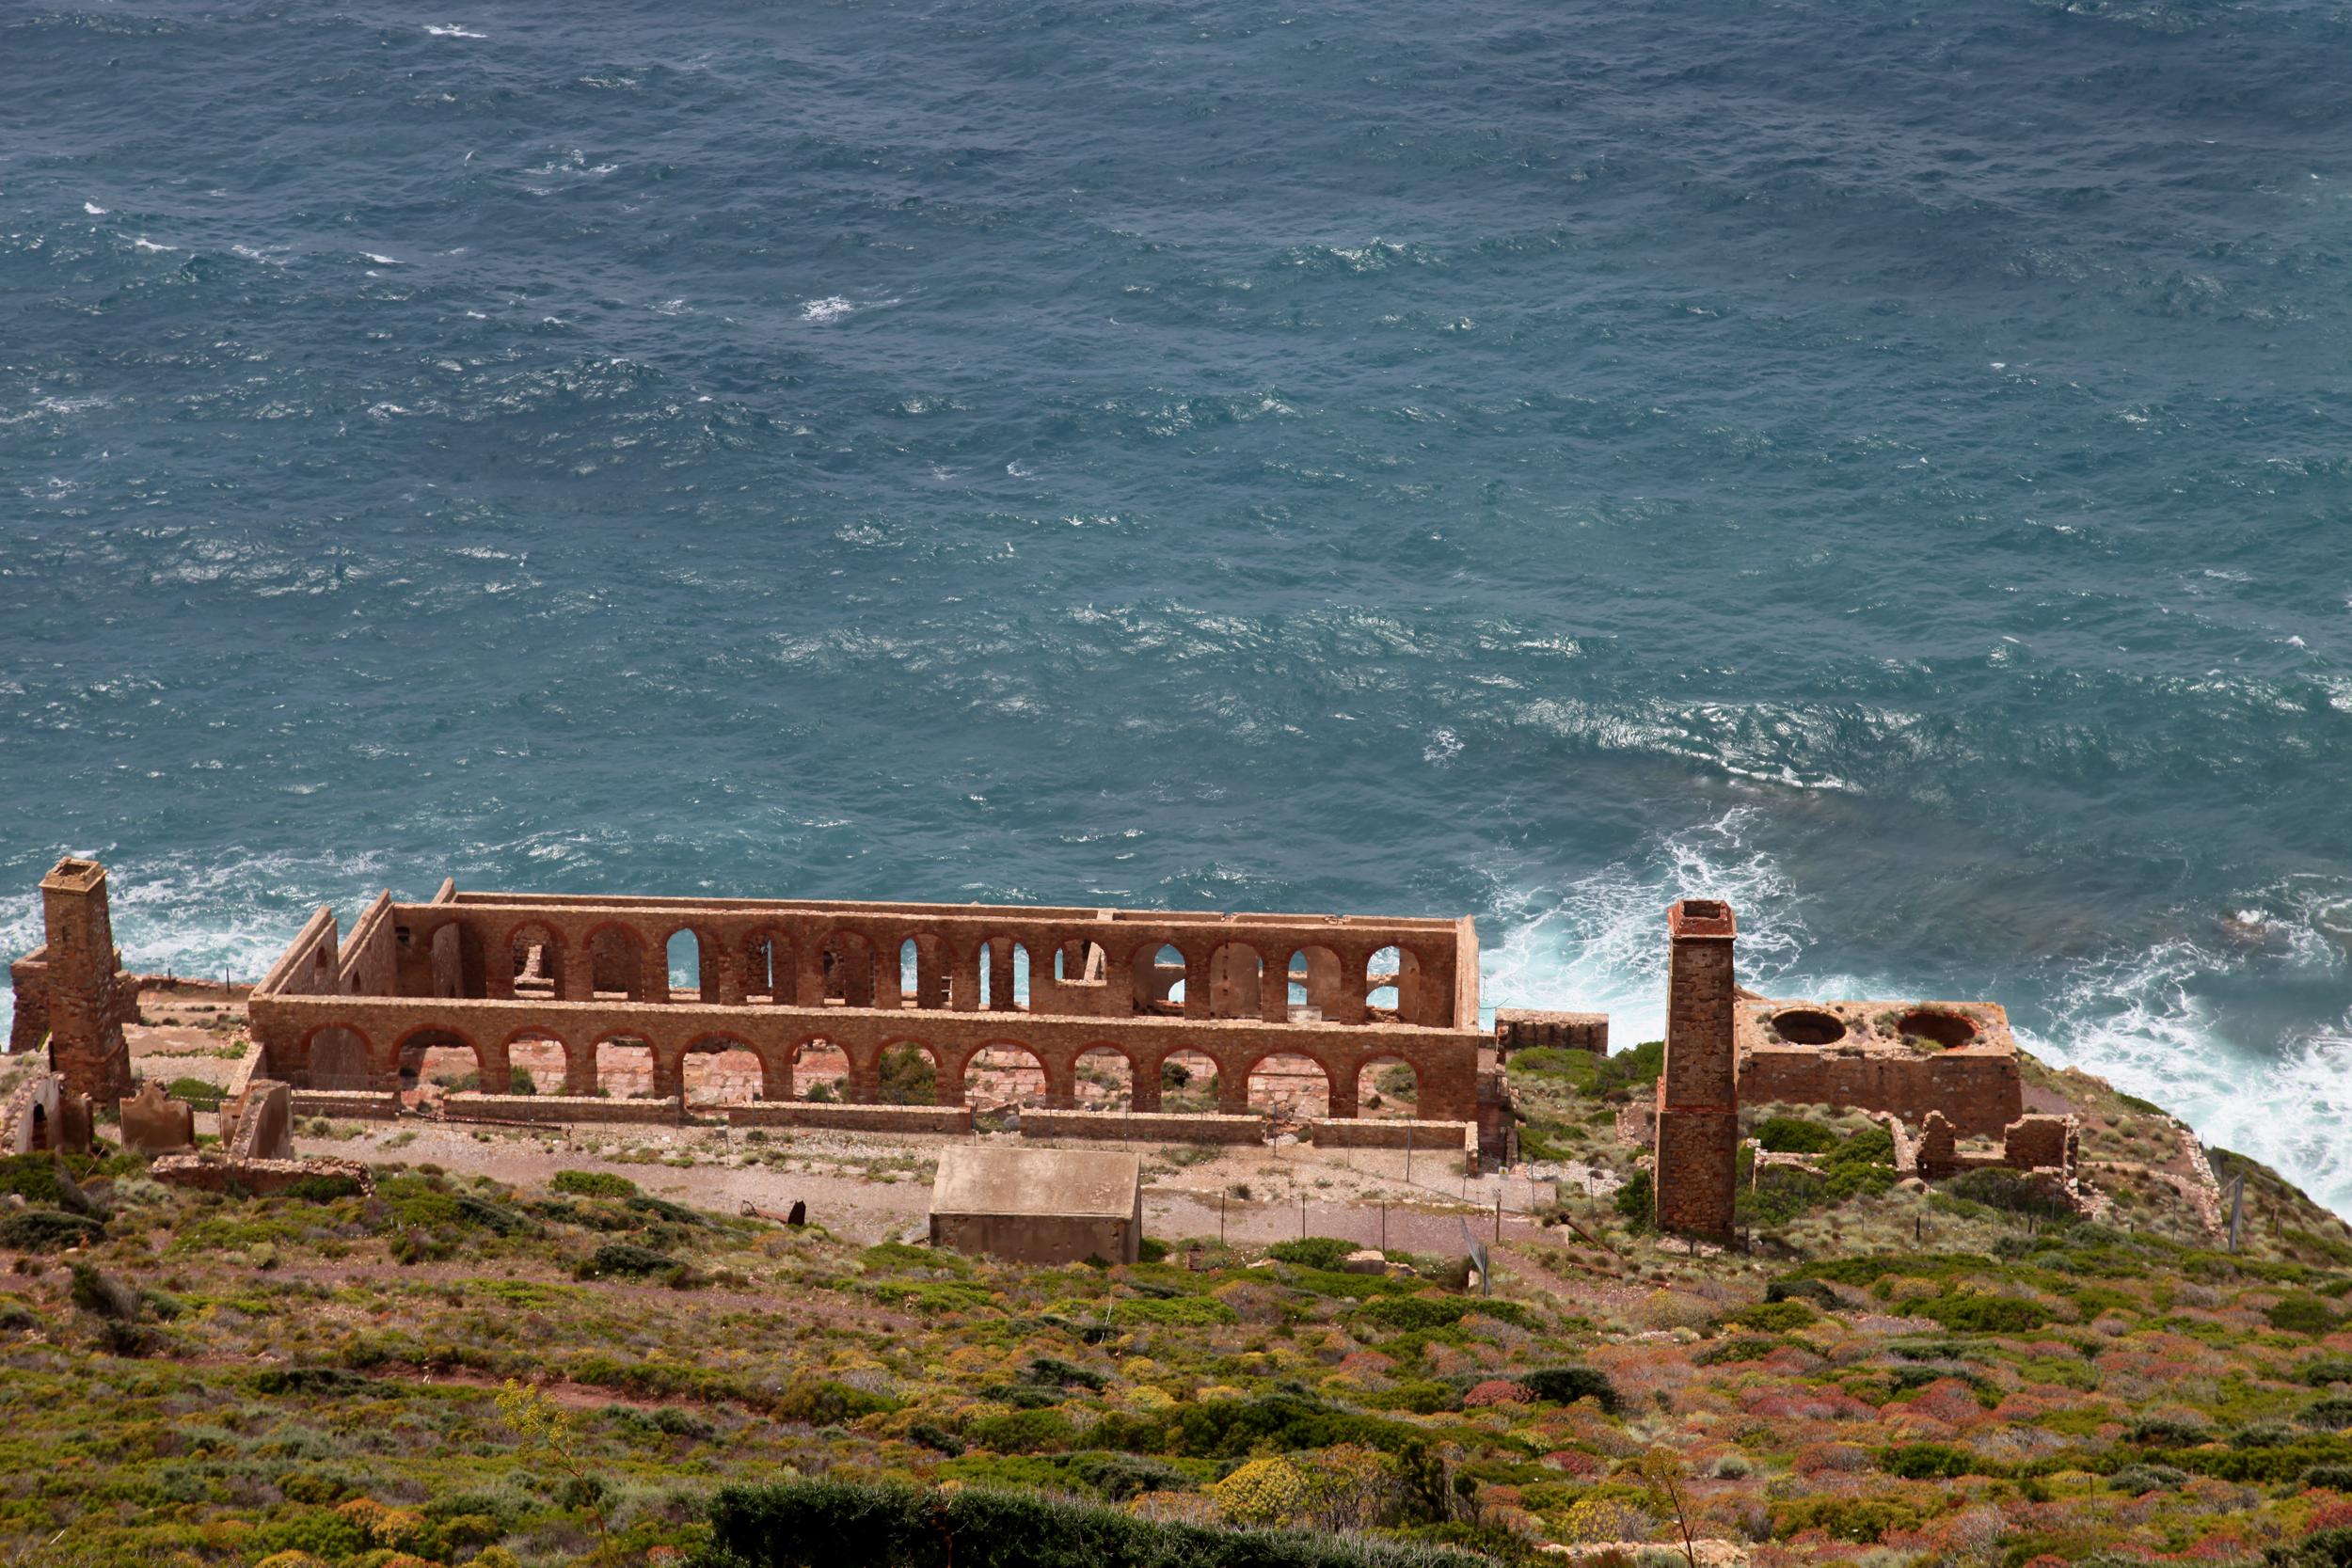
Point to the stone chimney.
(1698, 1095)
(87, 1000)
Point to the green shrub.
(908, 1077)
(2332, 1414)
(322, 1189)
(625, 1258)
(592, 1183)
(2301, 1314)
(1180, 1312)
(2335, 1478)
(1984, 1314)
(1636, 1200)
(1313, 1252)
(1054, 1373)
(1776, 1316)
(2141, 1479)
(104, 1295)
(2319, 1374)
(47, 1230)
(2169, 1431)
(1022, 1432)
(1930, 1462)
(1794, 1135)
(32, 1178)
(823, 1402)
(1801, 1289)
(1568, 1385)
(2265, 1434)
(842, 1523)
(1620, 1076)
(2011, 1191)
(2322, 1548)
(937, 1438)
(1860, 1519)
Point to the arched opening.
(1388, 1087)
(1159, 980)
(820, 1070)
(911, 974)
(536, 1061)
(1315, 982)
(768, 973)
(625, 1068)
(1235, 971)
(338, 1059)
(1383, 993)
(1105, 1080)
(1290, 1085)
(1004, 976)
(439, 1058)
(720, 1069)
(907, 1073)
(535, 955)
(848, 962)
(1189, 1081)
(1003, 1073)
(616, 964)
(41, 1127)
(458, 967)
(685, 959)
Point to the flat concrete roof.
(1037, 1181)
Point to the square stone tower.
(1698, 1093)
(87, 996)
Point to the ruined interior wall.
(1979, 1093)
(1525, 1029)
(863, 1118)
(369, 966)
(29, 976)
(559, 1109)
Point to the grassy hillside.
(1893, 1378)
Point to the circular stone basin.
(1949, 1030)
(1808, 1026)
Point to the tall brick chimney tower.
(1698, 1093)
(87, 1000)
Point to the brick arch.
(623, 957)
(843, 963)
(551, 959)
(1053, 1065)
(1134, 1073)
(1236, 1093)
(445, 1038)
(350, 1065)
(774, 1066)
(1347, 1084)
(947, 1081)
(713, 967)
(770, 956)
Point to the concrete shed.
(1039, 1205)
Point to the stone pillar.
(669, 1072)
(1233, 1090)
(1143, 1088)
(808, 984)
(930, 972)
(726, 988)
(963, 989)
(890, 958)
(1699, 1098)
(1200, 980)
(496, 1072)
(579, 1069)
(1000, 996)
(775, 1074)
(1274, 986)
(1339, 1084)
(88, 999)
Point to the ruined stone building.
(72, 995)
(479, 972)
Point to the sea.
(1888, 466)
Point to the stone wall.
(1979, 1094)
(1521, 1029)
(82, 991)
(560, 1110)
(43, 1113)
(855, 1118)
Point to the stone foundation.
(1144, 1127)
(1445, 1139)
(852, 1118)
(556, 1110)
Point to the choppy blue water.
(1886, 464)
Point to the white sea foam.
(829, 309)
(143, 243)
(452, 32)
(383, 260)
(93, 209)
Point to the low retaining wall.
(855, 1118)
(1159, 1127)
(259, 1177)
(558, 1109)
(349, 1104)
(1437, 1137)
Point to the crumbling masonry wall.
(73, 991)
